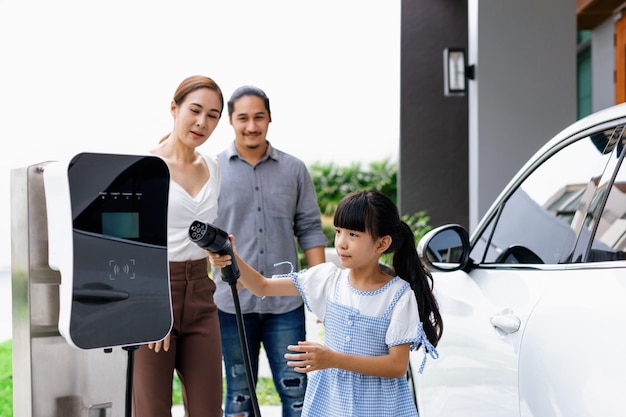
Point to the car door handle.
(505, 322)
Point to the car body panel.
(473, 355)
(572, 360)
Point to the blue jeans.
(275, 332)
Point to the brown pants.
(195, 350)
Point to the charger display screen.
(124, 225)
(120, 196)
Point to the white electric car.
(534, 301)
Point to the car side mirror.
(445, 248)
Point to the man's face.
(250, 120)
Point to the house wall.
(433, 163)
(457, 153)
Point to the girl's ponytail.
(408, 266)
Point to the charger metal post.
(89, 275)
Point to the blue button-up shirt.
(269, 208)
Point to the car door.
(572, 360)
(521, 251)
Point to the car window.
(606, 219)
(551, 212)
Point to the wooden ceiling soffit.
(590, 13)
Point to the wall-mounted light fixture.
(455, 72)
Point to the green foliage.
(266, 392)
(177, 393)
(333, 182)
(418, 223)
(6, 379)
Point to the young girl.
(373, 316)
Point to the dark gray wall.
(433, 160)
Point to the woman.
(192, 348)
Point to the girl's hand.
(312, 357)
(165, 344)
(220, 261)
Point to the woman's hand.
(164, 344)
(311, 357)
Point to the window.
(558, 202)
(607, 214)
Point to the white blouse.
(183, 209)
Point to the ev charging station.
(90, 280)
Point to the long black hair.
(373, 212)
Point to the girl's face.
(196, 117)
(250, 121)
(357, 249)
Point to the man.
(268, 202)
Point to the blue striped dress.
(365, 324)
